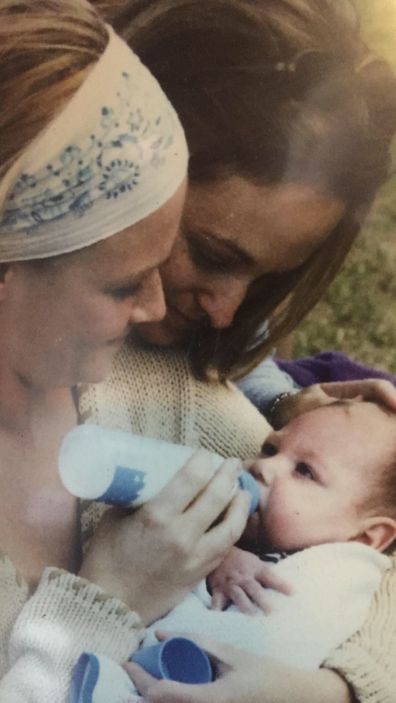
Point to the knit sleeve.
(152, 392)
(65, 616)
(225, 421)
(367, 660)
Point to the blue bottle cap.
(249, 484)
(176, 659)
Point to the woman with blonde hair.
(93, 162)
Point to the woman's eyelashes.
(125, 291)
(207, 258)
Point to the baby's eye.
(269, 449)
(305, 470)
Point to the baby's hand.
(241, 579)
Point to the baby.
(328, 476)
(327, 510)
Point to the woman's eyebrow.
(230, 249)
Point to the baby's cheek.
(279, 525)
(284, 525)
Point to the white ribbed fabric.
(64, 614)
(110, 158)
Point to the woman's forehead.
(276, 226)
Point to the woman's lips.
(173, 329)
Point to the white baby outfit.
(332, 588)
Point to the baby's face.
(317, 473)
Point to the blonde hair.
(46, 49)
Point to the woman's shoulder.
(227, 422)
(152, 391)
(145, 391)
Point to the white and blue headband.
(113, 156)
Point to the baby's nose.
(264, 470)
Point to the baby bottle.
(120, 468)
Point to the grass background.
(358, 313)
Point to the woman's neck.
(38, 518)
(23, 406)
(15, 401)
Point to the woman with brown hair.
(288, 119)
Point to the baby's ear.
(377, 532)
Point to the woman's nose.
(149, 305)
(222, 301)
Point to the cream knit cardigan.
(42, 634)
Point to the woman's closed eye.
(208, 260)
(305, 470)
(129, 292)
(125, 291)
(211, 255)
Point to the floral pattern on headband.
(107, 163)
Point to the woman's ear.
(6, 272)
(378, 532)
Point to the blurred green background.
(358, 313)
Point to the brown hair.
(383, 494)
(46, 49)
(262, 87)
